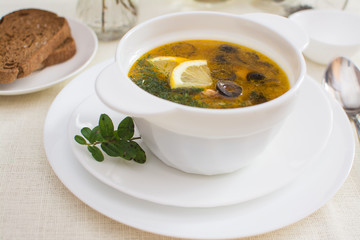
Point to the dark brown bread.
(27, 38)
(62, 53)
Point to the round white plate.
(311, 190)
(86, 46)
(301, 139)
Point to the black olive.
(240, 60)
(266, 64)
(257, 98)
(228, 88)
(183, 49)
(227, 48)
(255, 76)
(253, 55)
(226, 59)
(223, 59)
(222, 74)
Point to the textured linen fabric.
(34, 204)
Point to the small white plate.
(312, 189)
(301, 139)
(86, 46)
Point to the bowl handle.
(284, 26)
(123, 95)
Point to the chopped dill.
(148, 78)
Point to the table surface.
(34, 204)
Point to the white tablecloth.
(34, 204)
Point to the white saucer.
(86, 46)
(307, 193)
(301, 139)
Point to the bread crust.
(62, 53)
(27, 38)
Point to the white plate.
(311, 190)
(86, 46)
(301, 139)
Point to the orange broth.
(260, 78)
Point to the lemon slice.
(166, 64)
(191, 74)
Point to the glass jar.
(110, 19)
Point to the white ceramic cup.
(332, 33)
(198, 140)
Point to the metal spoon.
(342, 80)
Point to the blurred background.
(148, 9)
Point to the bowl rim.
(266, 105)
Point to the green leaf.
(126, 150)
(96, 153)
(140, 156)
(79, 139)
(95, 135)
(126, 128)
(111, 149)
(117, 143)
(86, 132)
(106, 126)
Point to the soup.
(209, 74)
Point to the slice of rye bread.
(62, 53)
(27, 38)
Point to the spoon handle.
(356, 119)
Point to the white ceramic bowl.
(332, 33)
(197, 140)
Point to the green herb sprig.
(115, 143)
(147, 77)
